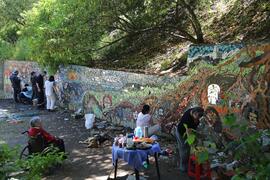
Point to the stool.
(198, 173)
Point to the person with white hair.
(37, 129)
(16, 85)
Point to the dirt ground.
(83, 163)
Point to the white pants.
(50, 102)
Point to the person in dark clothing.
(16, 85)
(34, 85)
(191, 118)
(40, 89)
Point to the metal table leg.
(147, 160)
(115, 168)
(137, 175)
(157, 167)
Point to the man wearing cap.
(16, 85)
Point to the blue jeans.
(184, 151)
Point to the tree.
(79, 32)
(11, 19)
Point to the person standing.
(16, 85)
(33, 80)
(191, 118)
(40, 89)
(50, 93)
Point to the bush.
(8, 161)
(40, 163)
(33, 167)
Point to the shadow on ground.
(83, 163)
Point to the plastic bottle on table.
(138, 132)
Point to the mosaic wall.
(113, 95)
(119, 96)
(24, 68)
(212, 53)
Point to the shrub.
(32, 168)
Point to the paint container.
(145, 131)
(35, 102)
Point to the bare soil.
(83, 163)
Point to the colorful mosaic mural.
(212, 53)
(24, 68)
(119, 96)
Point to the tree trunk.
(194, 22)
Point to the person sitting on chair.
(144, 120)
(191, 118)
(36, 129)
(26, 94)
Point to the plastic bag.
(89, 120)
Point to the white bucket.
(89, 120)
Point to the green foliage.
(33, 167)
(254, 161)
(22, 50)
(8, 159)
(40, 163)
(165, 65)
(11, 21)
(202, 156)
(191, 139)
(5, 50)
(89, 32)
(229, 119)
(80, 32)
(200, 152)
